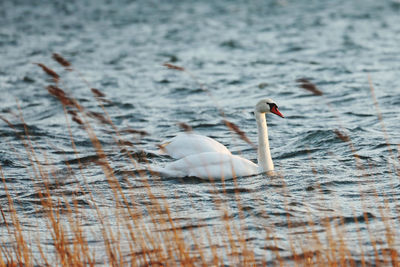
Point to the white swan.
(206, 158)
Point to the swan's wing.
(212, 165)
(186, 144)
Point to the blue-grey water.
(239, 51)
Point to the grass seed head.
(50, 72)
(77, 120)
(173, 67)
(342, 136)
(62, 61)
(97, 92)
(237, 130)
(185, 127)
(98, 117)
(133, 131)
(309, 86)
(60, 95)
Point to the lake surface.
(240, 51)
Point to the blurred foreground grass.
(151, 234)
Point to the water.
(240, 51)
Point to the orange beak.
(275, 110)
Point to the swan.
(205, 158)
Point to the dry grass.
(148, 233)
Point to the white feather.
(212, 165)
(189, 143)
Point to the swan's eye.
(271, 105)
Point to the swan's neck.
(264, 154)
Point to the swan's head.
(268, 105)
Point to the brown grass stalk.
(383, 128)
(22, 252)
(146, 232)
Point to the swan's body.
(212, 165)
(206, 158)
(189, 143)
